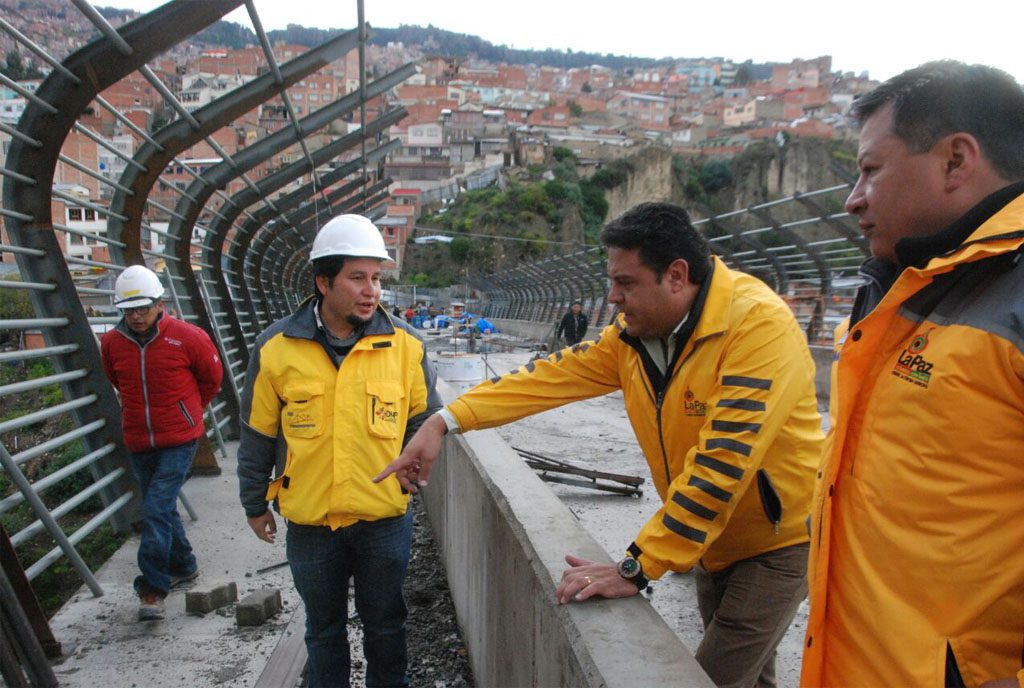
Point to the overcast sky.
(882, 37)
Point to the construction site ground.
(105, 645)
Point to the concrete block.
(200, 602)
(256, 608)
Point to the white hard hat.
(349, 235)
(137, 286)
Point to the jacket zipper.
(145, 388)
(661, 439)
(186, 414)
(767, 492)
(821, 517)
(658, 403)
(145, 400)
(659, 399)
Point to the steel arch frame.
(64, 96)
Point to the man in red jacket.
(167, 371)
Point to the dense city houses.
(467, 118)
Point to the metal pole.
(223, 354)
(43, 514)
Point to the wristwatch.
(630, 569)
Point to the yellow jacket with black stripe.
(917, 553)
(330, 425)
(733, 437)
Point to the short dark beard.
(356, 322)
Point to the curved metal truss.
(808, 253)
(232, 261)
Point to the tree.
(587, 88)
(459, 248)
(744, 74)
(561, 153)
(715, 175)
(17, 70)
(575, 109)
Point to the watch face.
(629, 567)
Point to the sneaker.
(151, 607)
(181, 580)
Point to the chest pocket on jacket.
(384, 408)
(303, 414)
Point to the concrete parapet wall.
(503, 535)
(525, 328)
(823, 356)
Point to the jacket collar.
(879, 275)
(303, 323)
(994, 225)
(711, 309)
(158, 328)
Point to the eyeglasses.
(139, 310)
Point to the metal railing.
(810, 258)
(227, 233)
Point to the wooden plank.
(289, 657)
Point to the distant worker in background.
(340, 386)
(718, 384)
(167, 371)
(917, 561)
(409, 313)
(574, 325)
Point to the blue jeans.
(376, 554)
(164, 551)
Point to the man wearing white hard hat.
(331, 395)
(167, 371)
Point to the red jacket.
(165, 383)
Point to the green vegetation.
(702, 179)
(612, 174)
(531, 208)
(14, 305)
(59, 581)
(15, 69)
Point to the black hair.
(328, 267)
(663, 234)
(944, 97)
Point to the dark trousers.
(746, 609)
(376, 555)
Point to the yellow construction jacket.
(733, 441)
(918, 524)
(340, 425)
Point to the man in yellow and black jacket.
(917, 559)
(718, 384)
(331, 394)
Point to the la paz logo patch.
(911, 365)
(693, 406)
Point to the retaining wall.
(540, 331)
(503, 535)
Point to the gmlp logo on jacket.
(693, 406)
(911, 365)
(382, 412)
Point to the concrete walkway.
(104, 645)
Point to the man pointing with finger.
(719, 387)
(338, 386)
